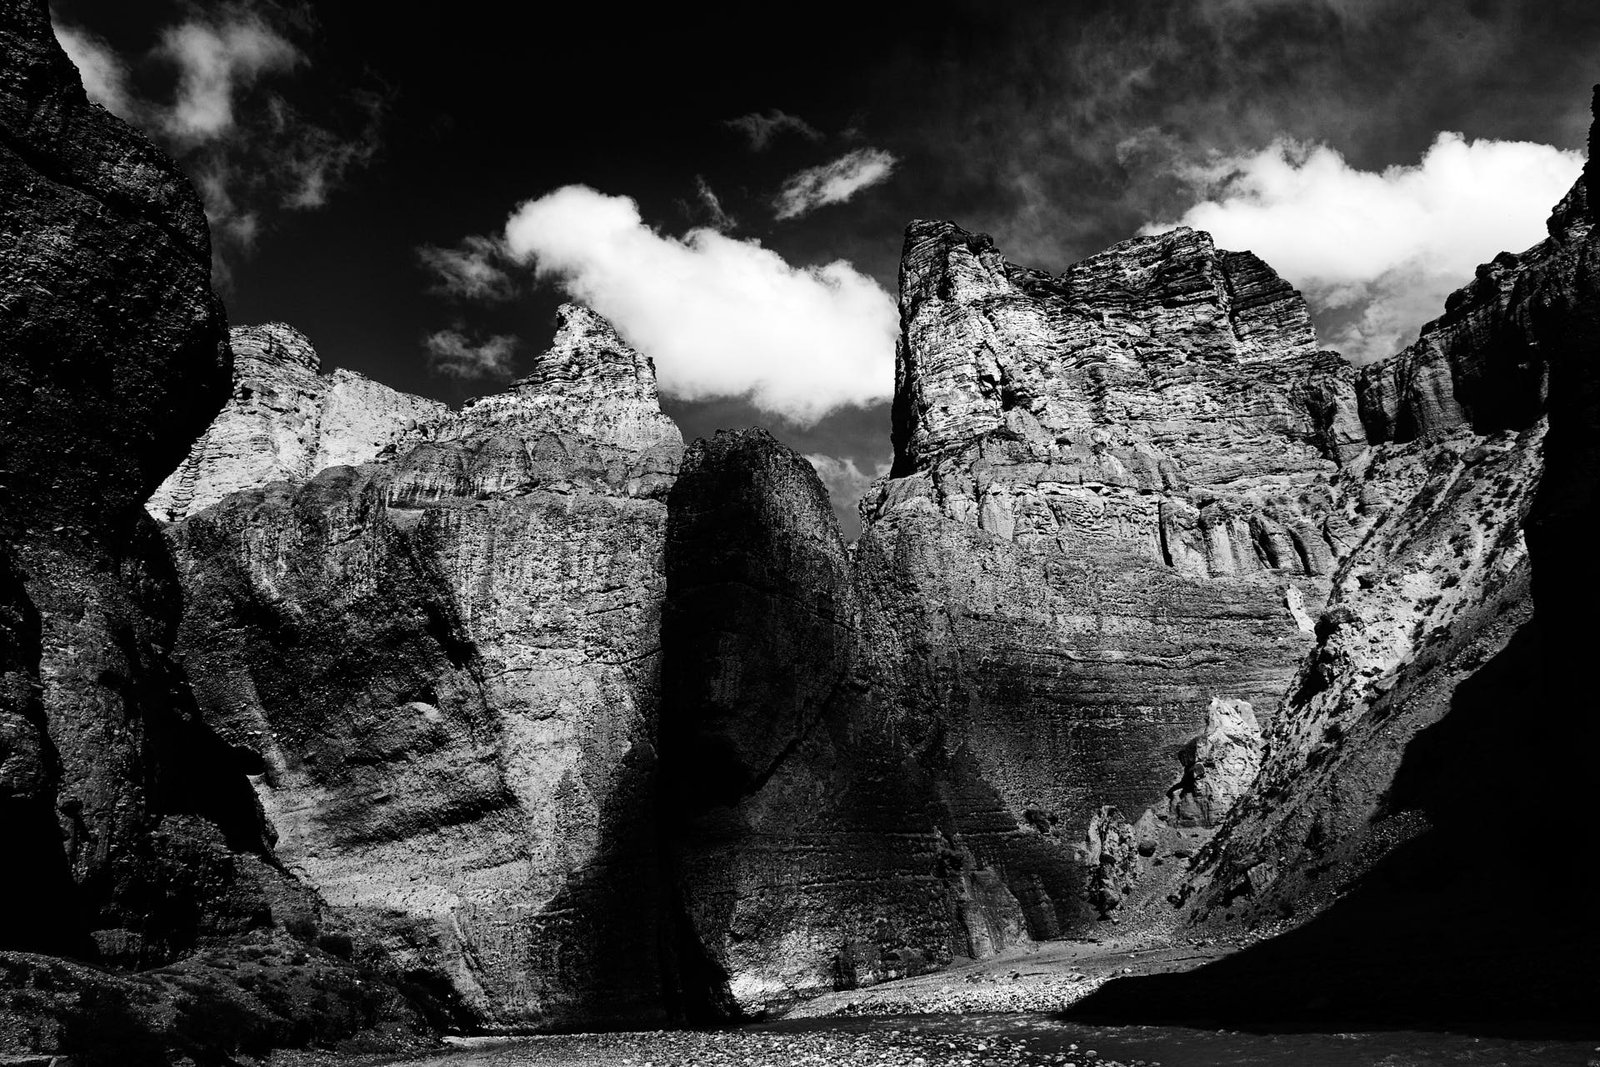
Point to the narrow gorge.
(335, 716)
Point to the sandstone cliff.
(286, 421)
(1111, 511)
(1451, 629)
(581, 736)
(444, 668)
(1115, 500)
(463, 672)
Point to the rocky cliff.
(1111, 513)
(1115, 500)
(286, 421)
(465, 672)
(1451, 628)
(444, 671)
(145, 915)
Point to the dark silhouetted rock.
(131, 835)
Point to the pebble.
(754, 1048)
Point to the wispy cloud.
(314, 159)
(1381, 250)
(716, 215)
(215, 62)
(455, 354)
(721, 317)
(833, 182)
(214, 102)
(474, 270)
(760, 129)
(845, 481)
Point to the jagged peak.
(589, 382)
(273, 343)
(587, 352)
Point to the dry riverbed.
(1041, 978)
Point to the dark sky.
(1058, 127)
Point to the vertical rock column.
(113, 357)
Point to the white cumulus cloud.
(833, 182)
(1377, 252)
(721, 317)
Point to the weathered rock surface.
(817, 838)
(445, 670)
(1219, 766)
(1113, 501)
(131, 836)
(93, 407)
(287, 421)
(1111, 506)
(568, 727)
(871, 760)
(1443, 634)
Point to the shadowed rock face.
(817, 838)
(444, 667)
(113, 354)
(132, 838)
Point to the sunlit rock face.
(286, 421)
(446, 667)
(1432, 613)
(587, 419)
(1114, 509)
(1116, 498)
(1452, 656)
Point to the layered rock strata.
(286, 421)
(1454, 618)
(1115, 500)
(818, 841)
(1112, 511)
(445, 668)
(445, 662)
(582, 735)
(1438, 584)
